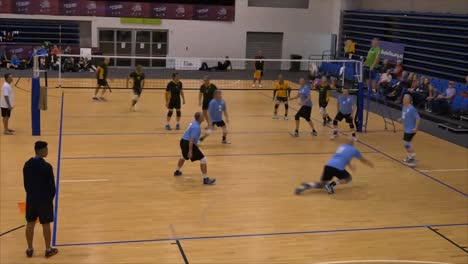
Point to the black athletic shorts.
(340, 116)
(174, 104)
(408, 137)
(282, 99)
(45, 213)
(102, 82)
(330, 172)
(304, 112)
(137, 91)
(219, 124)
(196, 152)
(323, 104)
(6, 112)
(205, 105)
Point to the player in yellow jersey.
(281, 95)
(101, 75)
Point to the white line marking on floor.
(442, 170)
(382, 261)
(72, 181)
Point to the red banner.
(118, 9)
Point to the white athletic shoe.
(254, 86)
(260, 86)
(294, 134)
(286, 118)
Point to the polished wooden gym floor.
(119, 203)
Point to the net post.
(360, 100)
(35, 112)
(60, 71)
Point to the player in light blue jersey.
(335, 167)
(306, 107)
(216, 109)
(190, 150)
(345, 105)
(410, 119)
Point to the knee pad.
(323, 111)
(276, 106)
(407, 144)
(203, 161)
(286, 106)
(170, 112)
(335, 122)
(178, 113)
(351, 125)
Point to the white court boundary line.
(442, 170)
(73, 181)
(382, 261)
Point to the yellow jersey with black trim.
(282, 89)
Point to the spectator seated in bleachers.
(68, 63)
(54, 59)
(395, 90)
(85, 65)
(222, 66)
(421, 92)
(441, 103)
(398, 70)
(384, 82)
(15, 63)
(385, 66)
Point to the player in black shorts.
(345, 105)
(207, 90)
(259, 65)
(336, 167)
(190, 150)
(138, 80)
(324, 96)
(281, 94)
(101, 75)
(174, 91)
(39, 184)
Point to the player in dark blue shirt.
(336, 167)
(39, 185)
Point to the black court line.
(258, 235)
(448, 239)
(181, 249)
(11, 230)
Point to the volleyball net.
(77, 72)
(80, 72)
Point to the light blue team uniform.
(409, 115)
(343, 156)
(345, 104)
(304, 93)
(193, 132)
(216, 109)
